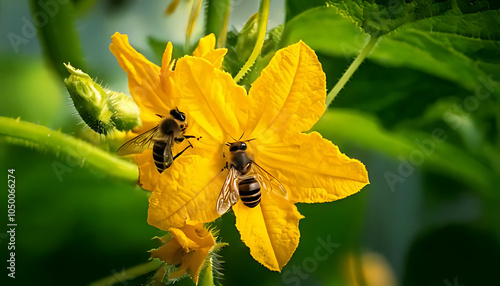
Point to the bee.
(163, 136)
(244, 180)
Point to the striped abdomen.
(249, 190)
(158, 155)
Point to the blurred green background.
(429, 217)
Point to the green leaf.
(364, 131)
(394, 95)
(231, 63)
(233, 59)
(294, 7)
(216, 12)
(461, 46)
(247, 38)
(326, 30)
(271, 44)
(381, 17)
(268, 50)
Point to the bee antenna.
(250, 139)
(232, 137)
(241, 135)
(228, 144)
(161, 116)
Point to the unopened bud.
(101, 109)
(271, 44)
(247, 38)
(125, 111)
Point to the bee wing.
(229, 194)
(270, 182)
(169, 158)
(138, 144)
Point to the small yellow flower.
(152, 88)
(188, 247)
(286, 100)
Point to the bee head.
(176, 114)
(237, 146)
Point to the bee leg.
(191, 136)
(180, 153)
(225, 167)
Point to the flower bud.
(101, 109)
(189, 249)
(247, 38)
(90, 99)
(125, 111)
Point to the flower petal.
(166, 76)
(199, 235)
(185, 239)
(206, 49)
(290, 93)
(171, 252)
(149, 177)
(205, 45)
(312, 168)
(166, 59)
(187, 192)
(148, 173)
(211, 98)
(195, 261)
(270, 230)
(143, 79)
(192, 263)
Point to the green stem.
(217, 19)
(350, 71)
(127, 274)
(221, 39)
(57, 33)
(261, 35)
(76, 150)
(207, 276)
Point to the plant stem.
(42, 138)
(350, 71)
(221, 38)
(206, 277)
(217, 14)
(127, 274)
(58, 36)
(261, 35)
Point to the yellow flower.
(152, 88)
(287, 99)
(188, 247)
